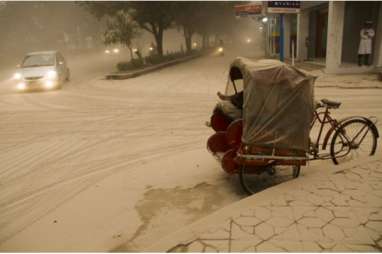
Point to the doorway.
(321, 33)
(318, 32)
(356, 13)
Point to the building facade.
(328, 33)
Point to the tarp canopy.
(278, 103)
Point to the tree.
(154, 17)
(204, 18)
(29, 26)
(215, 19)
(102, 8)
(186, 15)
(121, 28)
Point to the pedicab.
(269, 132)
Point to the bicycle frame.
(325, 119)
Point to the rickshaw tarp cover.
(278, 104)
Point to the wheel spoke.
(355, 139)
(253, 183)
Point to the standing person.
(365, 45)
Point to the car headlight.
(115, 51)
(49, 84)
(220, 49)
(17, 76)
(51, 75)
(21, 86)
(107, 51)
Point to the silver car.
(42, 70)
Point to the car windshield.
(38, 60)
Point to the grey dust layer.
(339, 212)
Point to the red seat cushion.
(219, 122)
(217, 142)
(234, 133)
(228, 162)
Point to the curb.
(349, 87)
(186, 235)
(133, 74)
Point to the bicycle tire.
(345, 128)
(249, 190)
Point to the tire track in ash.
(34, 198)
(36, 201)
(131, 125)
(26, 156)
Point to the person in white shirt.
(365, 45)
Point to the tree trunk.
(157, 31)
(205, 41)
(131, 52)
(159, 41)
(188, 39)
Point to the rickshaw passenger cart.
(277, 111)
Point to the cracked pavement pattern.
(339, 212)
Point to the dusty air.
(190, 126)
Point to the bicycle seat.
(331, 104)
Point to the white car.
(42, 70)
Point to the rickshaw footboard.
(257, 156)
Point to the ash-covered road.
(104, 165)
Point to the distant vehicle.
(42, 70)
(220, 51)
(112, 51)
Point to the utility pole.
(281, 43)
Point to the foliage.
(205, 18)
(130, 65)
(102, 8)
(151, 60)
(186, 16)
(215, 19)
(121, 28)
(32, 25)
(154, 17)
(157, 59)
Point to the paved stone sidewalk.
(348, 81)
(345, 81)
(339, 211)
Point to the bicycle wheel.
(267, 176)
(354, 139)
